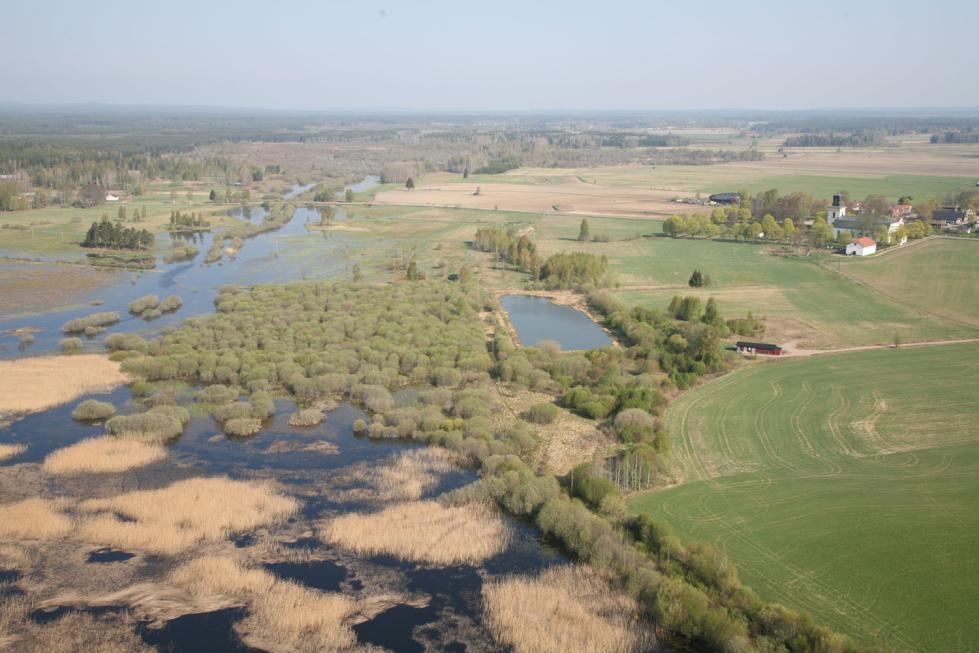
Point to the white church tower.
(838, 210)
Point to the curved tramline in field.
(846, 485)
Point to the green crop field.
(802, 300)
(938, 276)
(846, 485)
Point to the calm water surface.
(538, 318)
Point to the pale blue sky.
(397, 54)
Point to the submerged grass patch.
(422, 531)
(563, 609)
(283, 615)
(103, 455)
(177, 517)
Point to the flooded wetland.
(289, 467)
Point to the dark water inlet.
(109, 555)
(537, 319)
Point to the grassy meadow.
(938, 276)
(845, 485)
(54, 232)
(801, 299)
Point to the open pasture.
(939, 276)
(803, 301)
(845, 485)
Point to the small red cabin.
(759, 348)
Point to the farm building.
(725, 198)
(862, 246)
(949, 217)
(758, 348)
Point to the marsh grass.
(31, 384)
(566, 608)
(103, 455)
(75, 631)
(34, 518)
(422, 531)
(11, 450)
(176, 518)
(412, 474)
(283, 615)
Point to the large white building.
(837, 218)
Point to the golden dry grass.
(412, 473)
(177, 517)
(563, 609)
(11, 450)
(103, 455)
(422, 531)
(283, 615)
(32, 384)
(33, 519)
(76, 631)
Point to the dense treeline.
(956, 136)
(110, 235)
(562, 270)
(572, 269)
(498, 166)
(858, 138)
(510, 245)
(188, 222)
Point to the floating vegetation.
(103, 455)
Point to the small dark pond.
(109, 555)
(537, 319)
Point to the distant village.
(859, 232)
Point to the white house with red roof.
(862, 246)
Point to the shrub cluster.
(158, 424)
(78, 325)
(92, 409)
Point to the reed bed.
(568, 608)
(103, 455)
(32, 384)
(422, 531)
(11, 450)
(412, 474)
(35, 518)
(178, 517)
(283, 615)
(75, 631)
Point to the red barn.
(759, 348)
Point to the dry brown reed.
(11, 450)
(283, 615)
(75, 631)
(568, 608)
(103, 455)
(177, 517)
(422, 531)
(32, 384)
(412, 474)
(33, 519)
